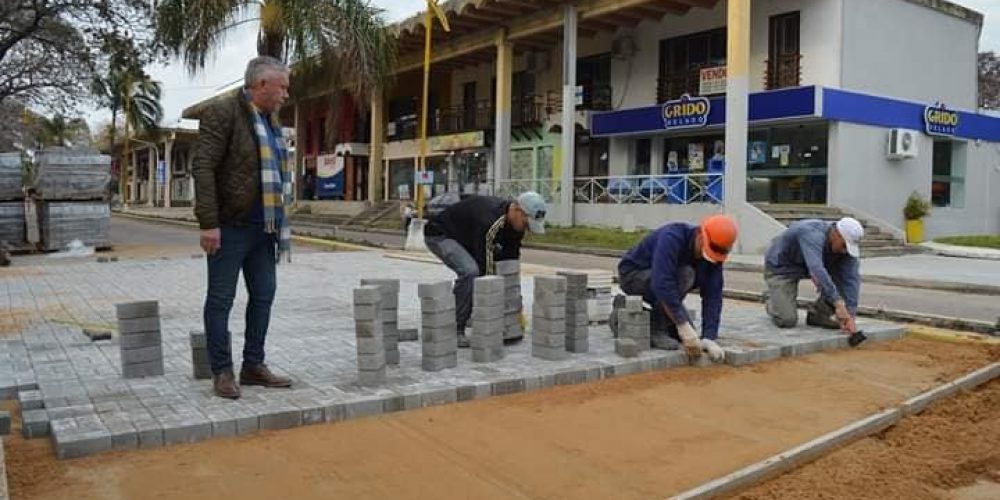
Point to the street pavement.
(898, 298)
(89, 408)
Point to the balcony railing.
(596, 98)
(674, 85)
(785, 71)
(676, 189)
(547, 188)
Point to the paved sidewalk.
(91, 409)
(980, 275)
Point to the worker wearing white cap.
(826, 252)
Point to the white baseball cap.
(534, 205)
(852, 231)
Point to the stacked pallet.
(11, 200)
(71, 188)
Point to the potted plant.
(914, 211)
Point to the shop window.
(592, 157)
(641, 156)
(690, 154)
(522, 163)
(948, 174)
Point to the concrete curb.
(949, 323)
(947, 286)
(800, 455)
(962, 252)
(4, 493)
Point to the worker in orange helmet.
(664, 267)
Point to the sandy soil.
(643, 436)
(951, 451)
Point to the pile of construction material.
(71, 192)
(11, 200)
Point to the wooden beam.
(544, 20)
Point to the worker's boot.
(662, 334)
(463, 340)
(820, 314)
(263, 376)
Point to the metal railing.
(548, 188)
(677, 83)
(785, 71)
(677, 189)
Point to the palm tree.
(127, 88)
(325, 38)
(133, 90)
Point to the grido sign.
(686, 112)
(939, 120)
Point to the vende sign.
(713, 81)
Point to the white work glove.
(690, 340)
(715, 353)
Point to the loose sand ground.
(643, 436)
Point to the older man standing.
(242, 183)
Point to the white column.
(168, 185)
(737, 104)
(568, 112)
(151, 182)
(505, 76)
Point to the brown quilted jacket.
(226, 165)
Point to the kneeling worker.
(472, 234)
(669, 263)
(826, 252)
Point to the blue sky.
(181, 89)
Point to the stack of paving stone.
(577, 318)
(71, 188)
(487, 319)
(389, 305)
(599, 296)
(65, 221)
(140, 341)
(62, 174)
(548, 319)
(200, 362)
(34, 417)
(633, 328)
(12, 222)
(11, 185)
(11, 200)
(439, 332)
(510, 271)
(369, 337)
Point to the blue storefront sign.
(329, 177)
(686, 112)
(813, 102)
(939, 120)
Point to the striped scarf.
(275, 182)
(491, 237)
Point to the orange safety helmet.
(718, 234)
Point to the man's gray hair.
(259, 67)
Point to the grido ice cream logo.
(686, 112)
(939, 120)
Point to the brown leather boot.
(261, 375)
(225, 386)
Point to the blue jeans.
(458, 259)
(250, 249)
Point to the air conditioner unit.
(902, 144)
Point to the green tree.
(326, 39)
